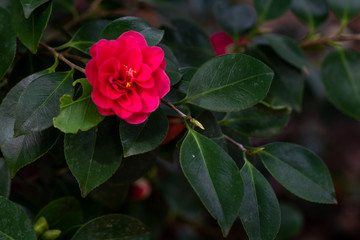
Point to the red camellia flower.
(128, 77)
(223, 43)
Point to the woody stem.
(62, 57)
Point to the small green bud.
(40, 226)
(51, 234)
(197, 123)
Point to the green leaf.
(346, 9)
(86, 36)
(214, 176)
(271, 9)
(236, 81)
(39, 102)
(117, 27)
(95, 155)
(22, 150)
(260, 211)
(311, 12)
(62, 213)
(292, 222)
(235, 20)
(287, 49)
(14, 223)
(144, 137)
(5, 180)
(344, 94)
(300, 171)
(8, 42)
(30, 30)
(189, 43)
(212, 128)
(258, 121)
(113, 226)
(81, 114)
(288, 83)
(30, 5)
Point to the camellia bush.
(112, 108)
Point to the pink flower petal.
(220, 41)
(139, 38)
(127, 42)
(137, 118)
(132, 58)
(153, 56)
(162, 82)
(144, 78)
(106, 49)
(99, 99)
(130, 101)
(150, 100)
(105, 112)
(91, 71)
(118, 110)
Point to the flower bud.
(51, 234)
(40, 226)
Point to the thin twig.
(324, 40)
(62, 58)
(242, 148)
(180, 113)
(77, 58)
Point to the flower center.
(124, 78)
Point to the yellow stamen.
(128, 84)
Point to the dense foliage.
(95, 160)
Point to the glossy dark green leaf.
(39, 102)
(8, 42)
(344, 94)
(133, 167)
(30, 5)
(346, 9)
(22, 150)
(144, 137)
(270, 9)
(86, 36)
(95, 155)
(30, 30)
(212, 128)
(5, 180)
(214, 176)
(300, 171)
(62, 213)
(113, 30)
(287, 49)
(14, 223)
(288, 83)
(189, 43)
(236, 81)
(113, 226)
(81, 114)
(235, 20)
(172, 65)
(258, 121)
(292, 222)
(260, 211)
(311, 12)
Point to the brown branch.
(229, 139)
(77, 58)
(325, 40)
(180, 113)
(62, 58)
